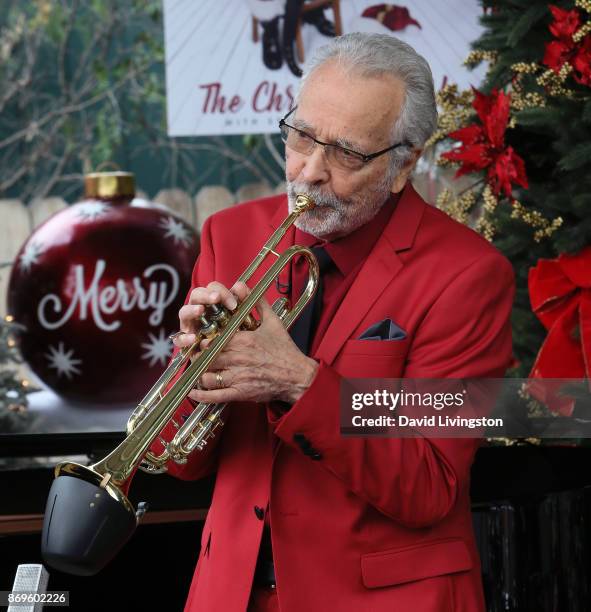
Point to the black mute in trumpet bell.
(84, 527)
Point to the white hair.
(373, 55)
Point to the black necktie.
(302, 331)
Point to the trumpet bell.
(99, 523)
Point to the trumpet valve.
(209, 329)
(217, 423)
(219, 315)
(214, 421)
(280, 307)
(249, 323)
(209, 435)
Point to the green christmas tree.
(524, 141)
(13, 388)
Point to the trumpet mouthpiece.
(303, 203)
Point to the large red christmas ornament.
(98, 287)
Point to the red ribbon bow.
(560, 296)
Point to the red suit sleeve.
(199, 463)
(465, 333)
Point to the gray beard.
(334, 217)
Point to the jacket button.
(302, 442)
(316, 456)
(259, 512)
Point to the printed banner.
(226, 71)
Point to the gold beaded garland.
(457, 208)
(485, 224)
(479, 55)
(544, 227)
(553, 81)
(525, 68)
(582, 32)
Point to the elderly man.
(301, 517)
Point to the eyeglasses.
(338, 156)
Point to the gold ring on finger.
(219, 380)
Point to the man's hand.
(256, 366)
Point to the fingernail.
(215, 295)
(232, 303)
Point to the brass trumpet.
(88, 516)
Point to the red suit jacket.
(372, 524)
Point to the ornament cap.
(107, 185)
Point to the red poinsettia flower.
(565, 23)
(557, 54)
(565, 49)
(483, 145)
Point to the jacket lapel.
(378, 271)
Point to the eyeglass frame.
(364, 158)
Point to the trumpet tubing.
(108, 480)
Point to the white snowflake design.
(175, 230)
(158, 349)
(91, 211)
(30, 255)
(62, 361)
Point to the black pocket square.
(384, 330)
